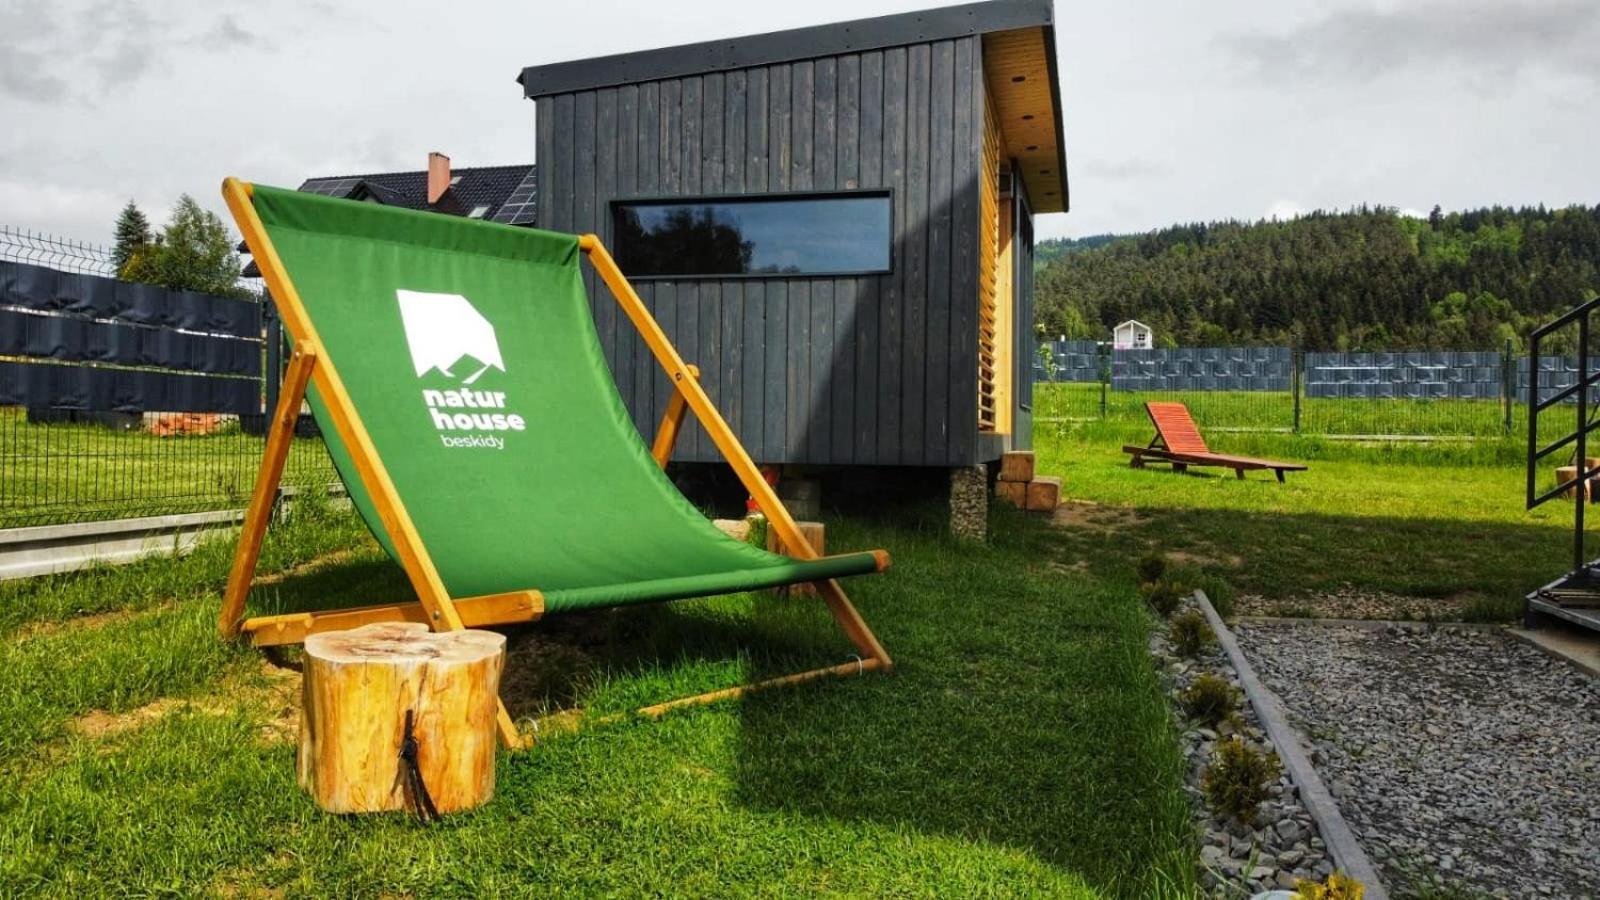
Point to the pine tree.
(193, 253)
(133, 233)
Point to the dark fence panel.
(97, 344)
(121, 400)
(1432, 375)
(1203, 369)
(92, 388)
(37, 288)
(1278, 389)
(1554, 374)
(72, 339)
(1075, 361)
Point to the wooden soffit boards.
(1019, 67)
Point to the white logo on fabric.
(441, 330)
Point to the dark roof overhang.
(860, 35)
(943, 23)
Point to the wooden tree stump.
(815, 533)
(357, 688)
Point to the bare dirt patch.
(89, 622)
(277, 692)
(101, 724)
(1081, 514)
(305, 568)
(1210, 557)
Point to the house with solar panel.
(505, 194)
(834, 223)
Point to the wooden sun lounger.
(1178, 442)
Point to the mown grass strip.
(1021, 746)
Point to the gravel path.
(1461, 757)
(1282, 846)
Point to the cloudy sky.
(1175, 110)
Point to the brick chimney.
(438, 176)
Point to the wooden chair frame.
(308, 366)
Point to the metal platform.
(1574, 597)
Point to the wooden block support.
(814, 532)
(1044, 494)
(1017, 466)
(1567, 473)
(1012, 492)
(357, 688)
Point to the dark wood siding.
(876, 370)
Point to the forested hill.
(1052, 249)
(1366, 279)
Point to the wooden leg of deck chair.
(855, 628)
(671, 424)
(512, 608)
(1239, 472)
(279, 437)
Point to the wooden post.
(359, 688)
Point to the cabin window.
(764, 236)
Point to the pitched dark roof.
(860, 35)
(509, 192)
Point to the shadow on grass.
(602, 660)
(1023, 713)
(1483, 568)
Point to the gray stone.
(969, 502)
(1439, 747)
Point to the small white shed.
(1132, 335)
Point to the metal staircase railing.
(1582, 577)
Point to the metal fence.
(1391, 394)
(120, 400)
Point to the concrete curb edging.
(50, 549)
(1336, 834)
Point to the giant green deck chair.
(454, 369)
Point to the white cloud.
(103, 100)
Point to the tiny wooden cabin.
(834, 223)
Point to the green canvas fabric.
(412, 309)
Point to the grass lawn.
(1021, 746)
(1444, 523)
